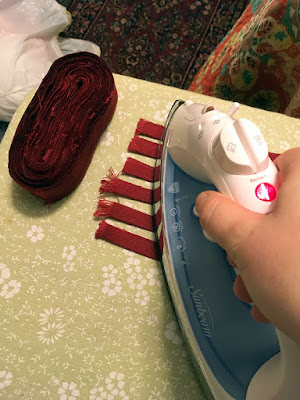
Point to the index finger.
(288, 165)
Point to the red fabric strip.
(120, 212)
(113, 184)
(127, 240)
(145, 147)
(149, 129)
(157, 174)
(156, 195)
(161, 243)
(158, 217)
(273, 156)
(141, 170)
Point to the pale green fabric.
(79, 317)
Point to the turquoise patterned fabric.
(255, 4)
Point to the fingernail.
(201, 198)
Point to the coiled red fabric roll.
(59, 131)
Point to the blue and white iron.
(238, 357)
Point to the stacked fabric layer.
(59, 131)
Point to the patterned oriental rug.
(159, 41)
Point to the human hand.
(265, 248)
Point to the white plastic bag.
(28, 46)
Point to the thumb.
(225, 220)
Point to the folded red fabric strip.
(127, 240)
(120, 212)
(113, 184)
(60, 129)
(141, 170)
(145, 147)
(149, 129)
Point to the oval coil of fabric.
(60, 129)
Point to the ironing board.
(81, 318)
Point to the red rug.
(159, 41)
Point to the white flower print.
(161, 116)
(108, 139)
(284, 145)
(128, 204)
(136, 281)
(98, 394)
(142, 297)
(172, 333)
(131, 263)
(5, 379)
(51, 315)
(51, 332)
(153, 103)
(69, 266)
(128, 253)
(152, 319)
(4, 273)
(112, 286)
(124, 156)
(68, 391)
(115, 384)
(35, 233)
(155, 277)
(10, 289)
(133, 87)
(69, 252)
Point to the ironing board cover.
(81, 318)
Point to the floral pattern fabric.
(81, 318)
(258, 62)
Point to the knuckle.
(208, 212)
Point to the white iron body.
(211, 146)
(232, 154)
